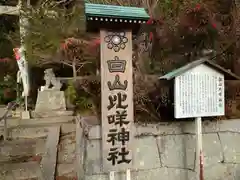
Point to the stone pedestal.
(50, 100)
(25, 115)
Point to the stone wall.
(166, 151)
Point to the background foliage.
(178, 32)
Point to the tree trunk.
(74, 70)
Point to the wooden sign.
(199, 92)
(117, 99)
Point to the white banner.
(23, 67)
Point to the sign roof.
(177, 72)
(125, 12)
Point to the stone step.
(17, 151)
(13, 122)
(17, 171)
(46, 114)
(34, 114)
(36, 128)
(32, 170)
(17, 154)
(21, 157)
(39, 131)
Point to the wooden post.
(117, 113)
(50, 157)
(199, 152)
(128, 174)
(117, 99)
(111, 175)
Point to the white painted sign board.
(199, 92)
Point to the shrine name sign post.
(116, 25)
(199, 92)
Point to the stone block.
(231, 125)
(174, 128)
(95, 132)
(50, 100)
(207, 126)
(177, 151)
(27, 173)
(28, 132)
(25, 115)
(179, 174)
(66, 170)
(66, 149)
(212, 150)
(118, 176)
(231, 149)
(45, 114)
(222, 171)
(11, 150)
(94, 157)
(210, 126)
(145, 153)
(67, 128)
(157, 129)
(152, 174)
(97, 177)
(18, 171)
(164, 174)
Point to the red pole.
(201, 166)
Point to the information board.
(199, 92)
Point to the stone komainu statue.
(50, 79)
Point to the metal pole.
(199, 152)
